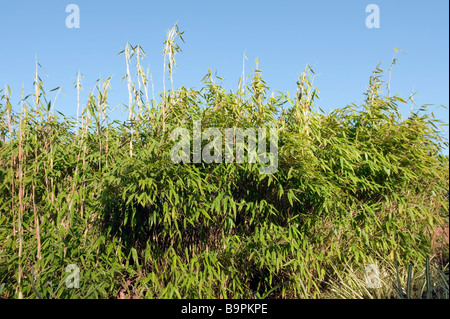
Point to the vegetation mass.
(355, 186)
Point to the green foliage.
(351, 187)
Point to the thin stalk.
(163, 107)
(36, 169)
(78, 86)
(153, 90)
(427, 275)
(21, 202)
(36, 218)
(36, 84)
(408, 282)
(130, 97)
(147, 102)
(8, 112)
(52, 194)
(171, 48)
(139, 77)
(242, 82)
(85, 133)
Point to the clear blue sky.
(283, 35)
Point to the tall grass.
(352, 186)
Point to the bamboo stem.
(36, 219)
(130, 98)
(78, 85)
(21, 203)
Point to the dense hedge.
(352, 186)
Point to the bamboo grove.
(353, 187)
